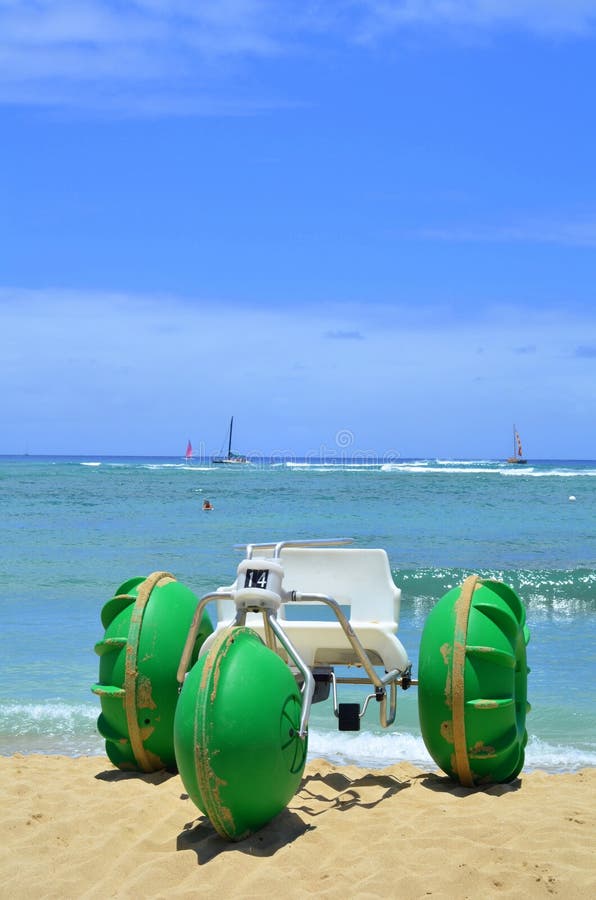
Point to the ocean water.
(73, 529)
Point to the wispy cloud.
(586, 351)
(184, 57)
(580, 233)
(149, 56)
(539, 16)
(77, 379)
(340, 335)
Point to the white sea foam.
(558, 757)
(59, 727)
(181, 466)
(51, 718)
(416, 466)
(377, 750)
(466, 462)
(165, 466)
(442, 469)
(337, 466)
(364, 748)
(198, 468)
(457, 468)
(53, 727)
(557, 473)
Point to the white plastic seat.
(360, 581)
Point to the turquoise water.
(73, 529)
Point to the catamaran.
(230, 458)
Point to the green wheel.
(236, 734)
(146, 624)
(472, 691)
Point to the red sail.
(189, 450)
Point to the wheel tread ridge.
(462, 610)
(492, 654)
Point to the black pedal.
(322, 678)
(349, 716)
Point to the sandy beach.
(77, 827)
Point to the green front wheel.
(236, 734)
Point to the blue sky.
(353, 224)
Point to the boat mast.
(230, 438)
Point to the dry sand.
(75, 828)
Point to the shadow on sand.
(317, 795)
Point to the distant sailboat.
(518, 455)
(230, 458)
(188, 454)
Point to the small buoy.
(571, 497)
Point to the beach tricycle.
(229, 705)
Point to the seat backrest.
(360, 581)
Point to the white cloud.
(141, 373)
(145, 57)
(540, 16)
(184, 57)
(579, 233)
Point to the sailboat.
(518, 455)
(188, 454)
(230, 458)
